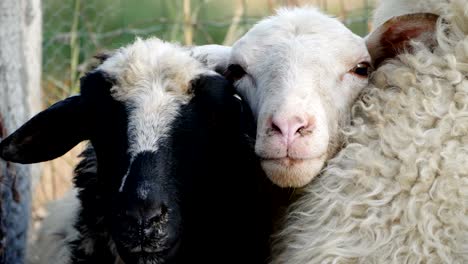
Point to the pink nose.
(292, 128)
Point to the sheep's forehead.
(302, 21)
(152, 79)
(315, 37)
(152, 66)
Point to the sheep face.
(299, 71)
(151, 125)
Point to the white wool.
(398, 192)
(56, 232)
(390, 8)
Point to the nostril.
(297, 126)
(128, 218)
(275, 128)
(279, 126)
(301, 131)
(164, 209)
(143, 215)
(292, 127)
(158, 214)
(154, 219)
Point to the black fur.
(26, 147)
(209, 169)
(220, 205)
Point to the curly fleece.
(398, 192)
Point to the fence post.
(20, 60)
(188, 28)
(233, 31)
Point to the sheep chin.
(143, 258)
(290, 173)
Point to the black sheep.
(170, 175)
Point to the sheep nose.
(290, 128)
(147, 215)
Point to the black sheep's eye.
(362, 69)
(234, 72)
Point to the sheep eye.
(234, 72)
(362, 69)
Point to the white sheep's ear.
(49, 134)
(394, 36)
(214, 57)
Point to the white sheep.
(299, 71)
(398, 192)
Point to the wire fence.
(76, 30)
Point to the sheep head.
(299, 71)
(153, 115)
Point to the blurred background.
(75, 30)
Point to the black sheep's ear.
(59, 128)
(214, 90)
(49, 134)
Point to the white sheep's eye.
(234, 72)
(362, 69)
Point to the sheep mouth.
(145, 258)
(293, 173)
(149, 255)
(286, 161)
(292, 161)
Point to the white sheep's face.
(299, 71)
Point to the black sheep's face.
(166, 153)
(136, 168)
(149, 111)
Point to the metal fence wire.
(76, 30)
